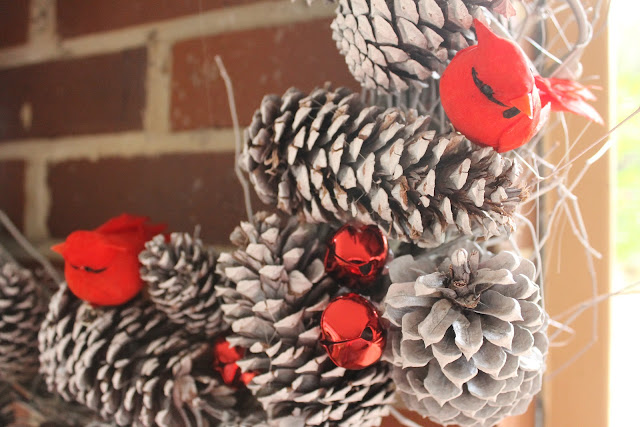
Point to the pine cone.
(468, 341)
(22, 309)
(276, 293)
(337, 160)
(392, 45)
(181, 277)
(130, 364)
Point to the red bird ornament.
(101, 266)
(492, 97)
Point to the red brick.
(12, 191)
(181, 190)
(77, 17)
(14, 22)
(259, 62)
(103, 93)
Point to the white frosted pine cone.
(181, 274)
(392, 45)
(468, 339)
(22, 309)
(334, 159)
(276, 292)
(131, 365)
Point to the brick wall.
(114, 106)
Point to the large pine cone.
(276, 293)
(130, 364)
(395, 44)
(469, 340)
(181, 277)
(22, 309)
(335, 159)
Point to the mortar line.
(251, 16)
(37, 199)
(42, 24)
(125, 145)
(158, 86)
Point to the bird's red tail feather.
(568, 95)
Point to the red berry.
(224, 361)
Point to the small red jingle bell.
(352, 332)
(224, 361)
(356, 255)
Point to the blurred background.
(624, 33)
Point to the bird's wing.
(123, 223)
(131, 224)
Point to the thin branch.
(237, 135)
(402, 419)
(28, 247)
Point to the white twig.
(607, 145)
(237, 135)
(402, 419)
(28, 247)
(582, 308)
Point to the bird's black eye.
(484, 88)
(93, 270)
(510, 113)
(75, 267)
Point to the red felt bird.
(101, 265)
(492, 97)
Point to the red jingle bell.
(224, 361)
(352, 332)
(356, 255)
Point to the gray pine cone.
(276, 293)
(22, 309)
(130, 364)
(181, 278)
(336, 160)
(392, 45)
(468, 341)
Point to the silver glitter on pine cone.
(274, 300)
(181, 277)
(130, 364)
(392, 45)
(22, 309)
(468, 341)
(337, 160)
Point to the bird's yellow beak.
(524, 104)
